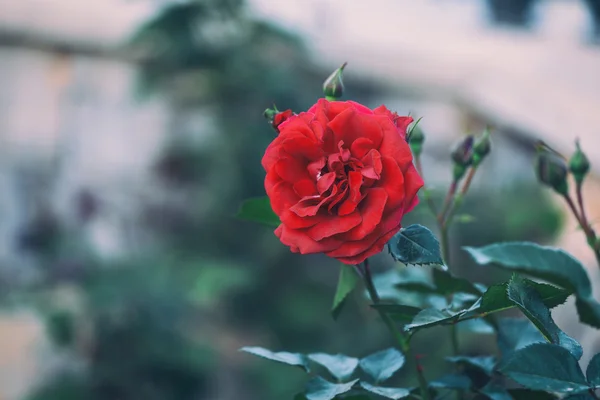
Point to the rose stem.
(587, 229)
(444, 225)
(398, 334)
(426, 193)
(448, 201)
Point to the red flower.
(281, 117)
(340, 177)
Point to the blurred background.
(131, 130)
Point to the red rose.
(281, 117)
(340, 177)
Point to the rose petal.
(393, 145)
(282, 197)
(325, 182)
(354, 195)
(314, 168)
(305, 187)
(389, 222)
(334, 225)
(304, 243)
(292, 221)
(372, 165)
(392, 180)
(376, 248)
(371, 210)
(291, 169)
(351, 125)
(412, 184)
(360, 147)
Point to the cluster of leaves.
(538, 359)
(378, 368)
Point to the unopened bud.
(463, 152)
(270, 113)
(579, 165)
(276, 117)
(482, 147)
(333, 87)
(416, 139)
(552, 171)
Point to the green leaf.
(295, 359)
(526, 394)
(320, 389)
(401, 313)
(495, 299)
(544, 366)
(483, 363)
(346, 284)
(593, 371)
(258, 210)
(495, 392)
(417, 245)
(515, 334)
(581, 396)
(550, 264)
(452, 381)
(432, 316)
(446, 284)
(530, 303)
(388, 392)
(340, 366)
(382, 365)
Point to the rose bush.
(340, 177)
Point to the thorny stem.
(448, 201)
(444, 223)
(398, 334)
(581, 208)
(582, 220)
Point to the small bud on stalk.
(270, 113)
(482, 147)
(551, 169)
(462, 157)
(579, 165)
(333, 87)
(416, 140)
(276, 117)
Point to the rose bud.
(280, 118)
(416, 138)
(340, 177)
(276, 117)
(579, 165)
(462, 157)
(551, 169)
(482, 147)
(333, 87)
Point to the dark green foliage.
(546, 367)
(340, 366)
(381, 366)
(320, 389)
(387, 392)
(258, 210)
(295, 359)
(531, 304)
(551, 264)
(593, 371)
(416, 245)
(346, 284)
(515, 334)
